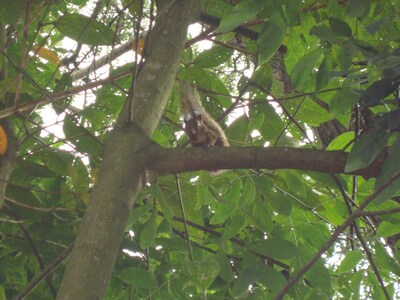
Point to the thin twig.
(184, 216)
(43, 274)
(50, 209)
(380, 212)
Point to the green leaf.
(81, 138)
(233, 226)
(264, 185)
(271, 38)
(160, 138)
(375, 26)
(320, 278)
(138, 277)
(256, 120)
(232, 197)
(387, 229)
(310, 113)
(273, 279)
(213, 57)
(343, 102)
(203, 195)
(276, 248)
(324, 33)
(293, 11)
(378, 91)
(341, 141)
(262, 216)
(301, 72)
(350, 261)
(57, 161)
(165, 207)
(365, 150)
(148, 234)
(10, 85)
(242, 12)
(85, 30)
(11, 11)
(222, 212)
(280, 203)
(37, 170)
(203, 273)
(323, 72)
(390, 166)
(225, 272)
(356, 8)
(315, 234)
(138, 212)
(248, 194)
(262, 76)
(385, 261)
(273, 124)
(340, 27)
(393, 119)
(2, 293)
(238, 132)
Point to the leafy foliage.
(291, 74)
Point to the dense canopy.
(102, 197)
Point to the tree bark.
(120, 179)
(171, 161)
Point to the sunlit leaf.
(85, 30)
(243, 11)
(302, 71)
(48, 55)
(213, 57)
(271, 38)
(350, 261)
(387, 229)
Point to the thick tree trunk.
(98, 243)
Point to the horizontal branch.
(177, 160)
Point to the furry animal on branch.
(201, 128)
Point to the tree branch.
(177, 160)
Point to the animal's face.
(193, 126)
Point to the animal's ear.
(199, 118)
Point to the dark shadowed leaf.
(138, 277)
(276, 248)
(365, 150)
